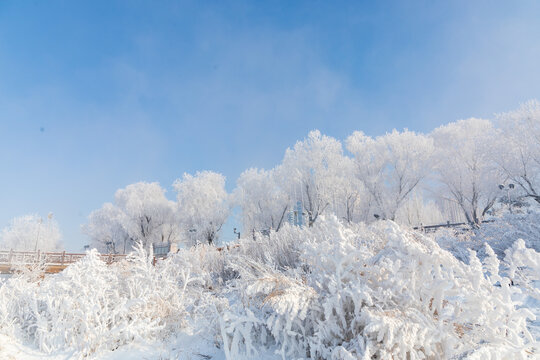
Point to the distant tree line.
(453, 172)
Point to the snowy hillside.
(326, 292)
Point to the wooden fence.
(53, 261)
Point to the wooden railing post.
(38, 255)
(63, 256)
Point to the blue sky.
(96, 95)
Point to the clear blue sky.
(96, 95)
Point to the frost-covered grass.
(325, 292)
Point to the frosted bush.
(324, 292)
(278, 249)
(91, 306)
(524, 267)
(396, 294)
(503, 232)
(499, 234)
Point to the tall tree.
(31, 232)
(518, 155)
(106, 229)
(203, 205)
(263, 201)
(391, 166)
(140, 213)
(349, 200)
(307, 171)
(465, 166)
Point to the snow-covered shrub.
(331, 291)
(500, 234)
(458, 241)
(503, 232)
(91, 306)
(524, 267)
(270, 309)
(383, 293)
(280, 250)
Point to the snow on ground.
(10, 349)
(182, 348)
(327, 292)
(193, 347)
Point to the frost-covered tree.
(150, 215)
(262, 200)
(418, 210)
(391, 166)
(141, 213)
(106, 230)
(203, 205)
(31, 232)
(349, 200)
(308, 170)
(518, 152)
(465, 166)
